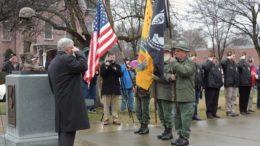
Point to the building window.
(48, 31)
(91, 4)
(7, 35)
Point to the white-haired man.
(65, 72)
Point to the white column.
(44, 55)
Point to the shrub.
(8, 53)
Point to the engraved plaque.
(11, 105)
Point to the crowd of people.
(183, 84)
(177, 92)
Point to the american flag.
(102, 39)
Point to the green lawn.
(124, 117)
(2, 108)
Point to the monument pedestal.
(30, 111)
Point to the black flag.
(155, 42)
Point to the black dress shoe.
(140, 129)
(216, 116)
(196, 119)
(244, 113)
(137, 131)
(144, 131)
(209, 116)
(232, 114)
(161, 135)
(182, 142)
(167, 135)
(251, 110)
(174, 141)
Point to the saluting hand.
(172, 59)
(173, 77)
(75, 49)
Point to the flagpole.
(119, 46)
(122, 54)
(155, 91)
(170, 34)
(168, 17)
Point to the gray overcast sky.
(180, 6)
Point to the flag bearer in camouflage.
(184, 100)
(165, 95)
(142, 110)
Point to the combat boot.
(161, 135)
(144, 130)
(181, 141)
(138, 130)
(168, 134)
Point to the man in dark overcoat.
(64, 73)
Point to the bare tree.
(67, 15)
(207, 13)
(6, 7)
(194, 39)
(241, 40)
(128, 16)
(245, 20)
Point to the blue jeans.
(197, 98)
(127, 93)
(89, 93)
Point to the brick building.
(44, 44)
(250, 50)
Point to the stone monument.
(30, 111)
(30, 103)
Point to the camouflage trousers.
(165, 112)
(142, 107)
(183, 118)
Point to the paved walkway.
(238, 131)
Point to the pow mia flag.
(155, 41)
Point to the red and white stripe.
(100, 43)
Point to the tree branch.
(128, 39)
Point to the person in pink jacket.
(253, 73)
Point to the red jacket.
(253, 73)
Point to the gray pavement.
(238, 131)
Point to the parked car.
(2, 93)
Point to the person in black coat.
(245, 83)
(257, 76)
(199, 75)
(11, 65)
(213, 82)
(231, 82)
(111, 72)
(65, 75)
